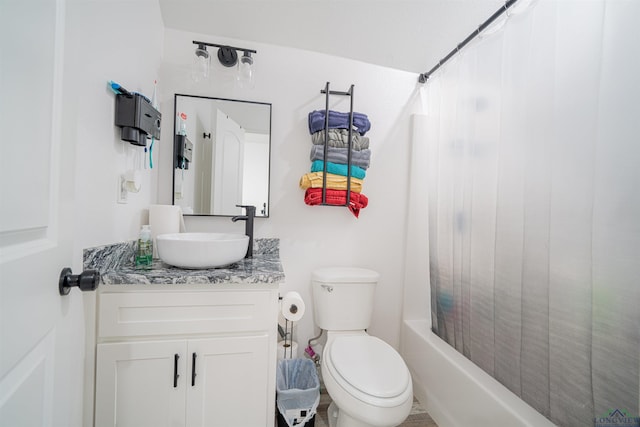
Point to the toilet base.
(344, 420)
(338, 418)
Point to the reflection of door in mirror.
(230, 156)
(228, 166)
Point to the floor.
(417, 418)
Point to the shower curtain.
(534, 206)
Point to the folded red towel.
(313, 196)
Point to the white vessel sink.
(201, 250)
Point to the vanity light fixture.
(228, 57)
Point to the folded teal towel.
(338, 169)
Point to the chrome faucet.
(248, 226)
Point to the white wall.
(417, 290)
(120, 41)
(313, 236)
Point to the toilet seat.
(369, 369)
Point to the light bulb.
(245, 71)
(201, 64)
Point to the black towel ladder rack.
(328, 93)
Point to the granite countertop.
(117, 267)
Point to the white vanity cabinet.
(194, 358)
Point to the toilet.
(369, 383)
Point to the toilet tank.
(343, 297)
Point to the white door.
(230, 386)
(41, 332)
(141, 384)
(228, 166)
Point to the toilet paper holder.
(288, 339)
(293, 308)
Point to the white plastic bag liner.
(297, 387)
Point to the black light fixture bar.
(425, 76)
(241, 49)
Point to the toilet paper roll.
(292, 306)
(288, 350)
(165, 219)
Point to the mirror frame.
(174, 134)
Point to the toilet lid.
(370, 365)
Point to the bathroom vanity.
(187, 347)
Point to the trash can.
(297, 392)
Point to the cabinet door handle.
(193, 369)
(175, 370)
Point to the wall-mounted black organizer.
(137, 118)
(328, 93)
(183, 151)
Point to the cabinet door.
(230, 387)
(135, 384)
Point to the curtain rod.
(425, 76)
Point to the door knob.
(87, 280)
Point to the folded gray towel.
(340, 138)
(360, 158)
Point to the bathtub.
(455, 391)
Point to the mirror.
(221, 155)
